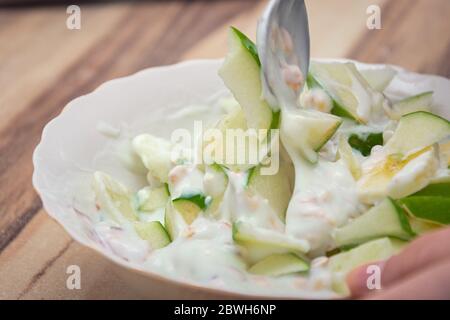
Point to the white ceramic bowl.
(68, 152)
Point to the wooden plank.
(34, 250)
(414, 35)
(129, 46)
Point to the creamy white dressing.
(325, 197)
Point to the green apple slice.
(241, 74)
(373, 251)
(421, 226)
(365, 142)
(352, 95)
(189, 205)
(383, 220)
(428, 208)
(420, 102)
(379, 78)
(153, 232)
(215, 183)
(114, 198)
(416, 131)
(306, 131)
(150, 199)
(279, 264)
(276, 189)
(155, 155)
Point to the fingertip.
(357, 279)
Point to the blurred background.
(44, 64)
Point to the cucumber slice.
(279, 264)
(215, 183)
(373, 251)
(420, 102)
(155, 155)
(345, 152)
(241, 74)
(308, 130)
(153, 232)
(150, 199)
(440, 188)
(261, 243)
(190, 205)
(114, 198)
(274, 188)
(384, 220)
(416, 131)
(351, 94)
(365, 142)
(379, 78)
(173, 221)
(396, 176)
(429, 208)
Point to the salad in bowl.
(199, 180)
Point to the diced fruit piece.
(429, 208)
(173, 221)
(395, 176)
(308, 130)
(365, 142)
(345, 152)
(241, 74)
(416, 131)
(352, 95)
(150, 199)
(261, 243)
(373, 251)
(379, 78)
(190, 205)
(383, 220)
(279, 264)
(275, 188)
(154, 233)
(113, 197)
(420, 102)
(155, 154)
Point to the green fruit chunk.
(241, 74)
(383, 220)
(279, 264)
(154, 233)
(429, 208)
(373, 251)
(416, 131)
(365, 142)
(420, 102)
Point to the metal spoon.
(283, 47)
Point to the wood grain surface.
(44, 65)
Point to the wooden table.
(44, 65)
